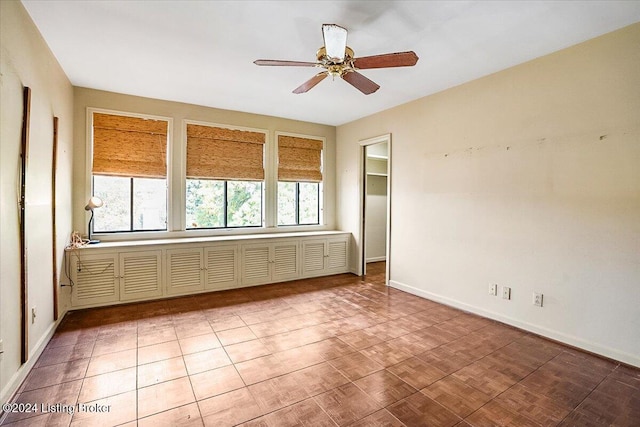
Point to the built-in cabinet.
(109, 273)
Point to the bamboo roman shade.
(129, 146)
(299, 159)
(226, 154)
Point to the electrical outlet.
(493, 289)
(33, 314)
(506, 292)
(1, 346)
(537, 299)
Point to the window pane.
(205, 203)
(149, 204)
(244, 204)
(115, 213)
(286, 203)
(309, 203)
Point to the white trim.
(376, 259)
(21, 374)
(362, 184)
(571, 340)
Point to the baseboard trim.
(376, 259)
(573, 341)
(22, 372)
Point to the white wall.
(528, 178)
(25, 60)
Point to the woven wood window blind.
(299, 159)
(129, 146)
(229, 154)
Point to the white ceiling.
(202, 52)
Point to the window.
(225, 177)
(299, 180)
(129, 173)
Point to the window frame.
(89, 170)
(321, 199)
(266, 164)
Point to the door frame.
(362, 261)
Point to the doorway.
(376, 207)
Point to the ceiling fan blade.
(360, 82)
(335, 41)
(278, 63)
(306, 86)
(399, 59)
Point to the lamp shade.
(94, 202)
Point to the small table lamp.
(94, 202)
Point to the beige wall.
(86, 98)
(25, 60)
(528, 178)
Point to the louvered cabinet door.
(337, 256)
(221, 267)
(95, 279)
(185, 271)
(256, 264)
(140, 275)
(313, 257)
(285, 260)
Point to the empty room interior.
(322, 213)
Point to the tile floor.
(340, 350)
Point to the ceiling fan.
(338, 60)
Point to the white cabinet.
(185, 271)
(116, 272)
(321, 257)
(270, 262)
(221, 266)
(94, 278)
(110, 277)
(140, 275)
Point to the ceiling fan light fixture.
(335, 41)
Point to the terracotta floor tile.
(347, 404)
(156, 352)
(261, 368)
(236, 335)
(55, 374)
(278, 392)
(382, 418)
(114, 345)
(164, 396)
(215, 382)
(319, 378)
(222, 324)
(155, 358)
(187, 415)
(385, 354)
(246, 350)
(109, 384)
(305, 413)
(223, 410)
(161, 371)
(385, 387)
(456, 396)
(156, 337)
(206, 360)
(114, 410)
(494, 414)
(55, 355)
(199, 343)
(355, 365)
(419, 410)
(416, 372)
